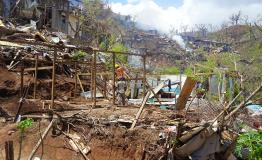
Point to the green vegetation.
(109, 43)
(79, 55)
(168, 70)
(251, 141)
(22, 126)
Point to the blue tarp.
(254, 107)
(175, 90)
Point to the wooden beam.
(185, 93)
(41, 140)
(94, 76)
(144, 76)
(152, 90)
(36, 71)
(114, 79)
(89, 74)
(140, 110)
(242, 104)
(53, 79)
(38, 68)
(9, 150)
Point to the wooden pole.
(41, 140)
(140, 110)
(114, 79)
(152, 90)
(9, 150)
(22, 80)
(53, 80)
(185, 93)
(36, 72)
(144, 76)
(75, 80)
(94, 78)
(242, 104)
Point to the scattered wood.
(41, 140)
(140, 110)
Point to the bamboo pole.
(53, 79)
(36, 72)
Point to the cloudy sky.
(162, 14)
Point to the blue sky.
(163, 3)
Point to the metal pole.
(144, 76)
(114, 79)
(53, 80)
(36, 72)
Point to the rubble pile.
(43, 84)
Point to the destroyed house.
(57, 15)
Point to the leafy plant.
(78, 55)
(22, 126)
(252, 141)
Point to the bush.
(78, 55)
(251, 141)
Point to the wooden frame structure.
(93, 65)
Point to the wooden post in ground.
(9, 150)
(53, 80)
(114, 79)
(144, 76)
(22, 79)
(36, 72)
(75, 80)
(94, 78)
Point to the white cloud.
(150, 15)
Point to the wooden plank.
(140, 110)
(101, 73)
(39, 68)
(53, 79)
(153, 92)
(41, 140)
(185, 93)
(157, 89)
